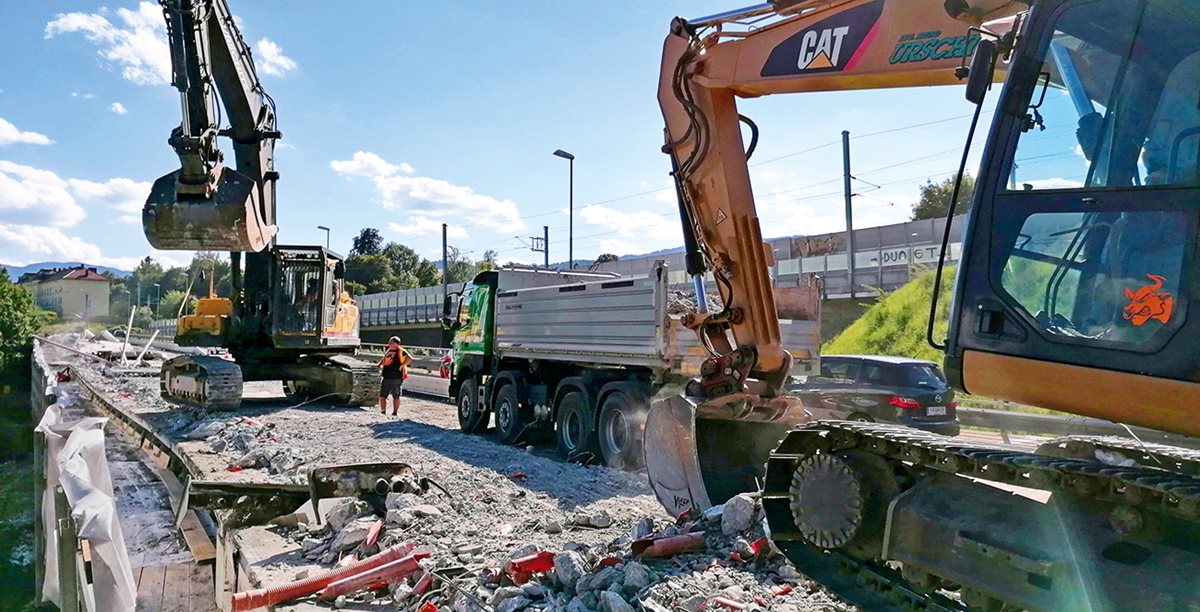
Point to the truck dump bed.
(614, 322)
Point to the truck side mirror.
(339, 270)
(980, 76)
(449, 305)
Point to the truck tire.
(511, 420)
(575, 429)
(622, 422)
(471, 418)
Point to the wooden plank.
(197, 540)
(150, 589)
(201, 594)
(175, 588)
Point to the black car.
(910, 392)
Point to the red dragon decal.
(1149, 303)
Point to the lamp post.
(908, 253)
(322, 227)
(570, 206)
(157, 297)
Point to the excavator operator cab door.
(301, 296)
(1080, 261)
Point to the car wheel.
(575, 429)
(471, 418)
(511, 420)
(620, 432)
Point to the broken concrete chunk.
(512, 604)
(612, 602)
(426, 510)
(738, 515)
(638, 576)
(204, 430)
(354, 533)
(568, 567)
(504, 593)
(344, 510)
(400, 501)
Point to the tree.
(460, 269)
(215, 266)
(173, 279)
(20, 318)
(144, 276)
(373, 272)
(935, 198)
(605, 258)
(169, 309)
(411, 270)
(367, 242)
(143, 317)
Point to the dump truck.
(579, 355)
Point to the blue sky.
(402, 116)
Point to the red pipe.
(261, 598)
(389, 572)
(668, 546)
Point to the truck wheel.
(621, 426)
(511, 421)
(575, 429)
(471, 418)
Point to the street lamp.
(570, 205)
(157, 298)
(322, 227)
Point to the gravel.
(503, 503)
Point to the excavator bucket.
(230, 219)
(701, 453)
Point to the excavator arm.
(205, 205)
(692, 459)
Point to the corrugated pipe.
(261, 598)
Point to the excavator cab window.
(1092, 221)
(300, 287)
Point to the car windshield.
(924, 375)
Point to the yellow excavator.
(1073, 293)
(290, 317)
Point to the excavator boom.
(205, 205)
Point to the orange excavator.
(1073, 293)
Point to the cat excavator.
(290, 317)
(1073, 293)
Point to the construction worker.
(394, 368)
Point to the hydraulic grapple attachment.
(228, 219)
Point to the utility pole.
(849, 212)
(546, 245)
(445, 267)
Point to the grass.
(896, 324)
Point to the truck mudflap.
(699, 453)
(229, 219)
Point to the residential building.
(69, 292)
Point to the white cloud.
(119, 108)
(48, 243)
(271, 59)
(626, 224)
(622, 247)
(423, 226)
(363, 163)
(429, 197)
(86, 96)
(138, 45)
(9, 134)
(125, 196)
(37, 197)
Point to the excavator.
(290, 317)
(1073, 293)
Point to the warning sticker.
(721, 216)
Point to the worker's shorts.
(393, 387)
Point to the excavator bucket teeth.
(230, 219)
(700, 454)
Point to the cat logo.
(830, 45)
(821, 49)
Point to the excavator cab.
(311, 307)
(1079, 259)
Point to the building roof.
(46, 275)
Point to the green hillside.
(896, 324)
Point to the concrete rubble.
(514, 530)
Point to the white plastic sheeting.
(75, 460)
